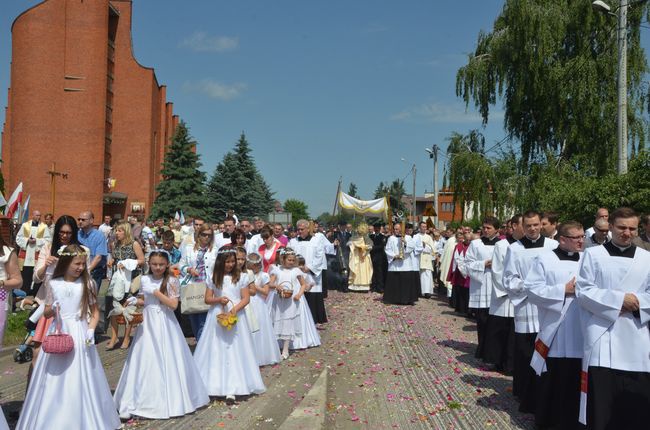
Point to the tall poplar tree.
(237, 184)
(183, 184)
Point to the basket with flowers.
(285, 291)
(227, 319)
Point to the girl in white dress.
(264, 340)
(309, 336)
(226, 358)
(159, 379)
(286, 310)
(70, 391)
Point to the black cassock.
(379, 262)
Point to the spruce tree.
(182, 186)
(237, 184)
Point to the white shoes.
(230, 400)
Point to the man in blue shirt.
(95, 241)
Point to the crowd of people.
(564, 311)
(246, 297)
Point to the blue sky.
(322, 89)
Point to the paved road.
(386, 367)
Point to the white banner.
(378, 207)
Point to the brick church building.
(80, 101)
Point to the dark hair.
(645, 219)
(493, 221)
(301, 260)
(552, 217)
(168, 235)
(56, 239)
(230, 218)
(219, 271)
(62, 267)
(516, 219)
(531, 214)
(266, 232)
(563, 229)
(165, 255)
(238, 233)
(622, 213)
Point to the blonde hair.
(128, 236)
(197, 233)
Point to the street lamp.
(602, 7)
(413, 205)
(433, 154)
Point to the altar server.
(558, 347)
(399, 280)
(478, 265)
(613, 289)
(519, 258)
(500, 331)
(426, 261)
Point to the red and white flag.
(15, 200)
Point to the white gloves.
(131, 301)
(90, 336)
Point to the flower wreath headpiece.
(62, 252)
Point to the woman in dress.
(269, 249)
(286, 310)
(10, 279)
(126, 249)
(226, 357)
(159, 379)
(70, 391)
(196, 265)
(264, 340)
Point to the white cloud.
(440, 113)
(216, 90)
(200, 41)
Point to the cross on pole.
(53, 174)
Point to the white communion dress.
(159, 379)
(226, 358)
(309, 336)
(264, 340)
(69, 391)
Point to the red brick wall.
(52, 42)
(63, 44)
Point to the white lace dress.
(159, 379)
(226, 358)
(69, 391)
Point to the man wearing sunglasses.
(96, 242)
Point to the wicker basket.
(223, 317)
(137, 319)
(58, 343)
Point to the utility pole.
(53, 174)
(413, 205)
(622, 87)
(433, 154)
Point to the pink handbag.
(57, 342)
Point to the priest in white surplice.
(445, 263)
(519, 258)
(399, 279)
(478, 265)
(558, 347)
(313, 250)
(613, 289)
(426, 261)
(500, 331)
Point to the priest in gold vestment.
(360, 264)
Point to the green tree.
(183, 184)
(553, 64)
(297, 208)
(237, 184)
(352, 190)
